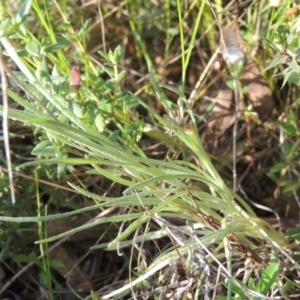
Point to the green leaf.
(173, 31)
(235, 289)
(288, 73)
(271, 44)
(22, 53)
(44, 65)
(294, 78)
(43, 278)
(278, 167)
(295, 65)
(273, 177)
(293, 232)
(267, 278)
(121, 76)
(114, 135)
(104, 55)
(251, 284)
(22, 258)
(109, 71)
(84, 28)
(23, 12)
(286, 147)
(76, 108)
(33, 48)
(117, 54)
(277, 61)
(41, 146)
(61, 43)
(290, 186)
(291, 117)
(7, 28)
(290, 39)
(56, 264)
(289, 285)
(99, 122)
(288, 128)
(95, 296)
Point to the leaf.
(294, 232)
(271, 43)
(286, 147)
(99, 122)
(22, 53)
(288, 73)
(84, 27)
(278, 167)
(95, 296)
(76, 108)
(23, 12)
(22, 258)
(43, 278)
(121, 76)
(235, 289)
(56, 264)
(294, 78)
(277, 61)
(290, 186)
(44, 65)
(109, 71)
(61, 43)
(41, 146)
(295, 65)
(117, 54)
(288, 128)
(267, 278)
(104, 54)
(33, 48)
(7, 28)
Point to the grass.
(112, 171)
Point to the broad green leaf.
(278, 167)
(43, 279)
(33, 48)
(290, 186)
(25, 258)
(235, 289)
(286, 148)
(267, 278)
(288, 128)
(56, 264)
(99, 122)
